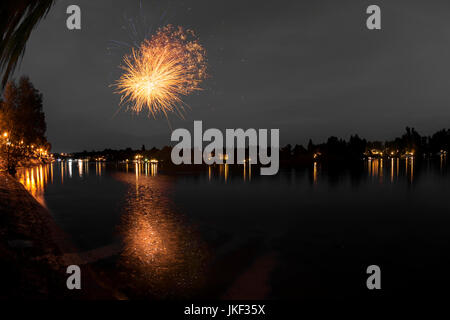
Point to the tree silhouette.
(22, 123)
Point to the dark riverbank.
(34, 252)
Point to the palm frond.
(17, 20)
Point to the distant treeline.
(411, 143)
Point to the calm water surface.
(304, 233)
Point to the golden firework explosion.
(168, 66)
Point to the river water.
(304, 233)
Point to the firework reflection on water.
(161, 254)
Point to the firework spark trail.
(168, 66)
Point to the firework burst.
(167, 67)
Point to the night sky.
(310, 68)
